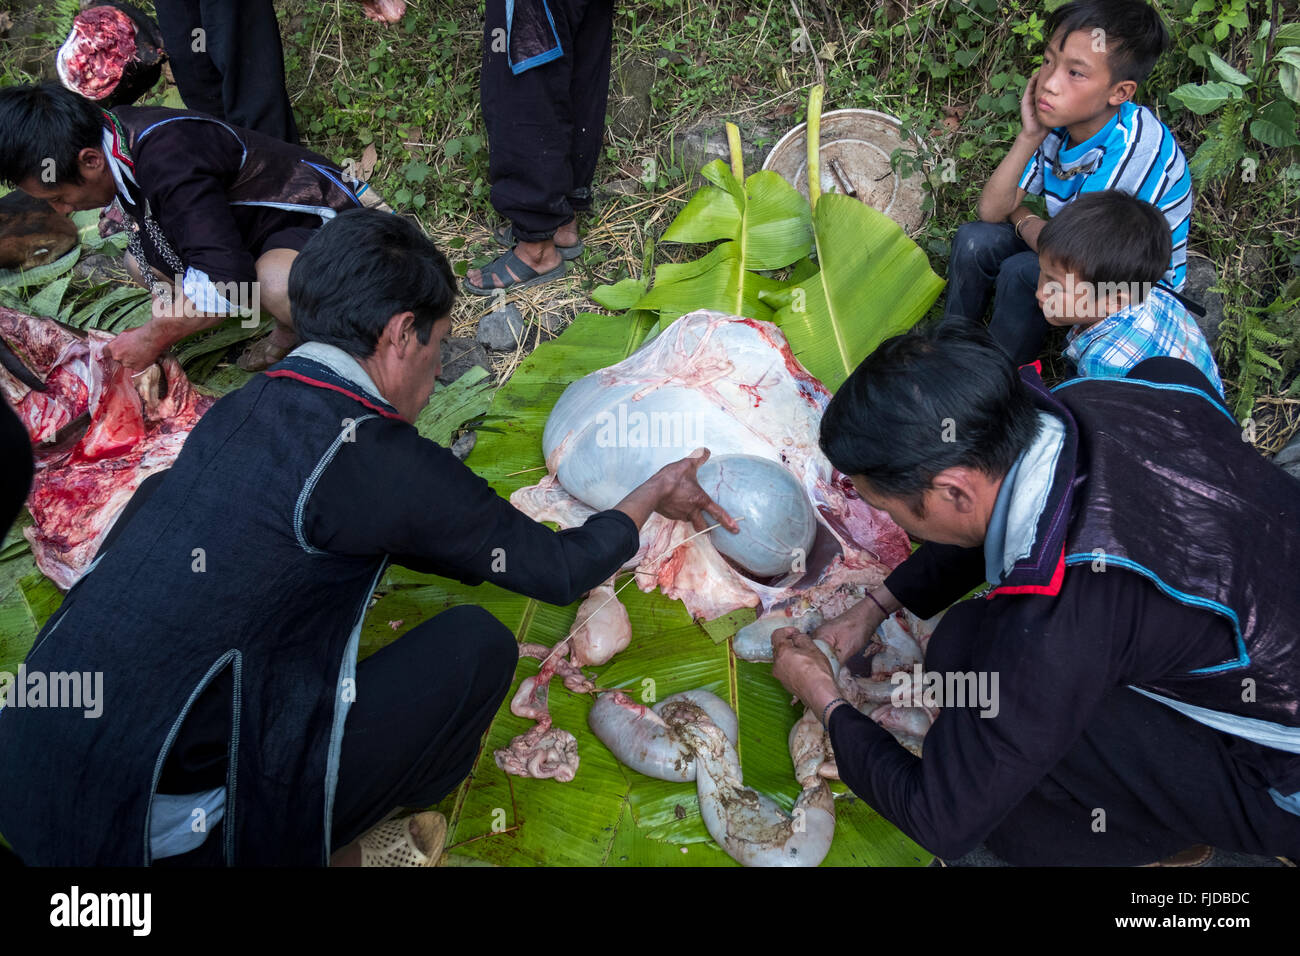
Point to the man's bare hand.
(802, 668)
(675, 492)
(682, 498)
(135, 348)
(849, 633)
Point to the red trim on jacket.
(299, 377)
(1053, 587)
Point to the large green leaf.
(874, 282)
(716, 281)
(453, 405)
(767, 216)
(1275, 125)
(1205, 98)
(26, 280)
(765, 223)
(608, 815)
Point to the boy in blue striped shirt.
(1101, 264)
(1081, 133)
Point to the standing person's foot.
(527, 264)
(566, 239)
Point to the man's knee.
(490, 642)
(273, 268)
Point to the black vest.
(1227, 536)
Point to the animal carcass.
(97, 433)
(731, 385)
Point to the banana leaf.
(453, 405)
(765, 223)
(49, 300)
(27, 599)
(608, 815)
(89, 315)
(874, 282)
(38, 276)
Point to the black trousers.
(545, 126)
(1141, 783)
(237, 74)
(989, 260)
(423, 704)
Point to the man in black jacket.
(216, 213)
(1143, 625)
(225, 608)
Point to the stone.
(502, 329)
(700, 144)
(1288, 459)
(1201, 274)
(97, 268)
(629, 98)
(459, 355)
(623, 187)
(463, 445)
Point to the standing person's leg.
(589, 93)
(529, 124)
(1017, 323)
(197, 77)
(243, 40)
(1142, 783)
(423, 703)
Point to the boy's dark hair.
(934, 398)
(1110, 237)
(1134, 34)
(45, 122)
(358, 271)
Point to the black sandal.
(514, 273)
(505, 236)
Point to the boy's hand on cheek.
(1032, 128)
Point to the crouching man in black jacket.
(1143, 623)
(225, 608)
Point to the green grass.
(952, 71)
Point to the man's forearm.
(174, 320)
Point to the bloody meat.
(101, 44)
(83, 481)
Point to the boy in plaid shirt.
(1099, 262)
(1081, 133)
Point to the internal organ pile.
(97, 433)
(600, 631)
(731, 385)
(898, 645)
(693, 736)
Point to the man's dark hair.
(1134, 34)
(362, 268)
(1109, 237)
(44, 122)
(939, 397)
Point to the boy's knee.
(977, 240)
